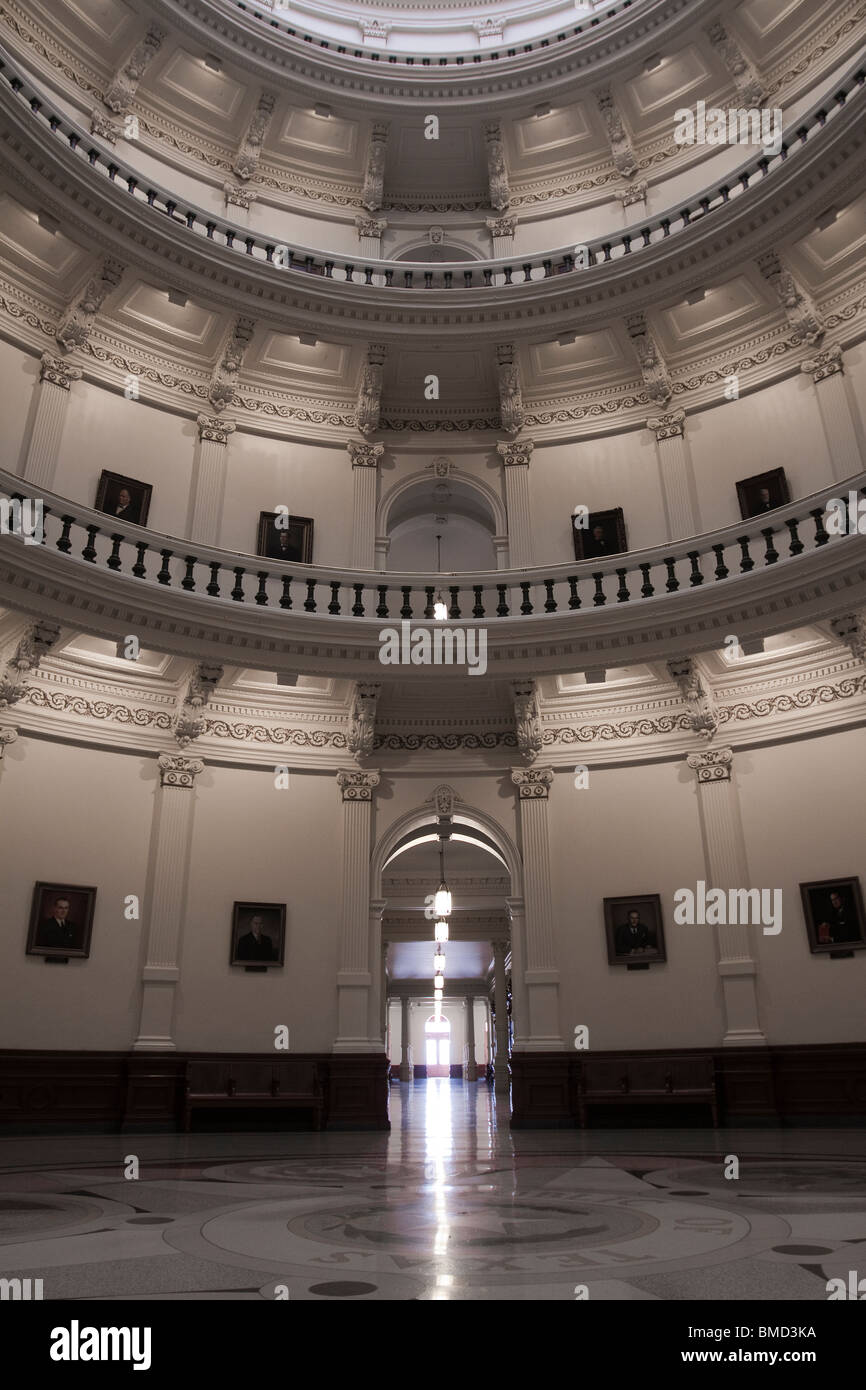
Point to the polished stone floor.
(451, 1205)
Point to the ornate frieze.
(370, 392)
(800, 309)
(703, 716)
(33, 646)
(533, 783)
(176, 770)
(374, 172)
(653, 370)
(357, 785)
(497, 170)
(122, 88)
(74, 329)
(364, 455)
(249, 153)
(669, 426)
(712, 765)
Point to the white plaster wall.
(78, 816)
(18, 371)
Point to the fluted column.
(405, 1066)
(727, 867)
(356, 989)
(675, 468)
(501, 231)
(55, 380)
(827, 371)
(501, 1078)
(540, 974)
(515, 457)
(175, 805)
(210, 478)
(370, 231)
(471, 1064)
(365, 463)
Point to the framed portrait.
(763, 493)
(599, 534)
(258, 934)
(61, 920)
(634, 930)
(833, 909)
(292, 540)
(125, 499)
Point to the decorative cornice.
(357, 786)
(713, 765)
(176, 770)
(533, 783)
(444, 743)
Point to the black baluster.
(550, 601)
(722, 570)
(454, 610)
(526, 606)
(821, 536)
(478, 609)
(286, 596)
(64, 545)
(188, 581)
(746, 561)
(646, 587)
(310, 600)
(261, 597)
(406, 610)
(114, 562)
(527, 272)
(334, 605)
(428, 610)
(673, 583)
(771, 555)
(238, 590)
(508, 271)
(138, 568)
(382, 610)
(89, 551)
(622, 593)
(796, 547)
(164, 576)
(358, 605)
(213, 587)
(502, 606)
(573, 601)
(599, 598)
(696, 577)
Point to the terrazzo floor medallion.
(449, 1206)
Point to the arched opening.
(437, 1052)
(451, 508)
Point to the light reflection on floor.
(450, 1206)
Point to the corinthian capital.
(364, 455)
(668, 426)
(826, 363)
(177, 770)
(513, 452)
(60, 373)
(533, 783)
(216, 430)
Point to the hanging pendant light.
(442, 898)
(440, 610)
(439, 963)
(441, 931)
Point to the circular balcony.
(755, 579)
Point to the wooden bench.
(648, 1080)
(234, 1085)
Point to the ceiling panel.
(211, 96)
(45, 258)
(146, 309)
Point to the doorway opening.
(437, 1037)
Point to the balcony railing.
(493, 274)
(219, 578)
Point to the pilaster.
(357, 989)
(540, 973)
(827, 371)
(675, 470)
(365, 464)
(55, 380)
(210, 478)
